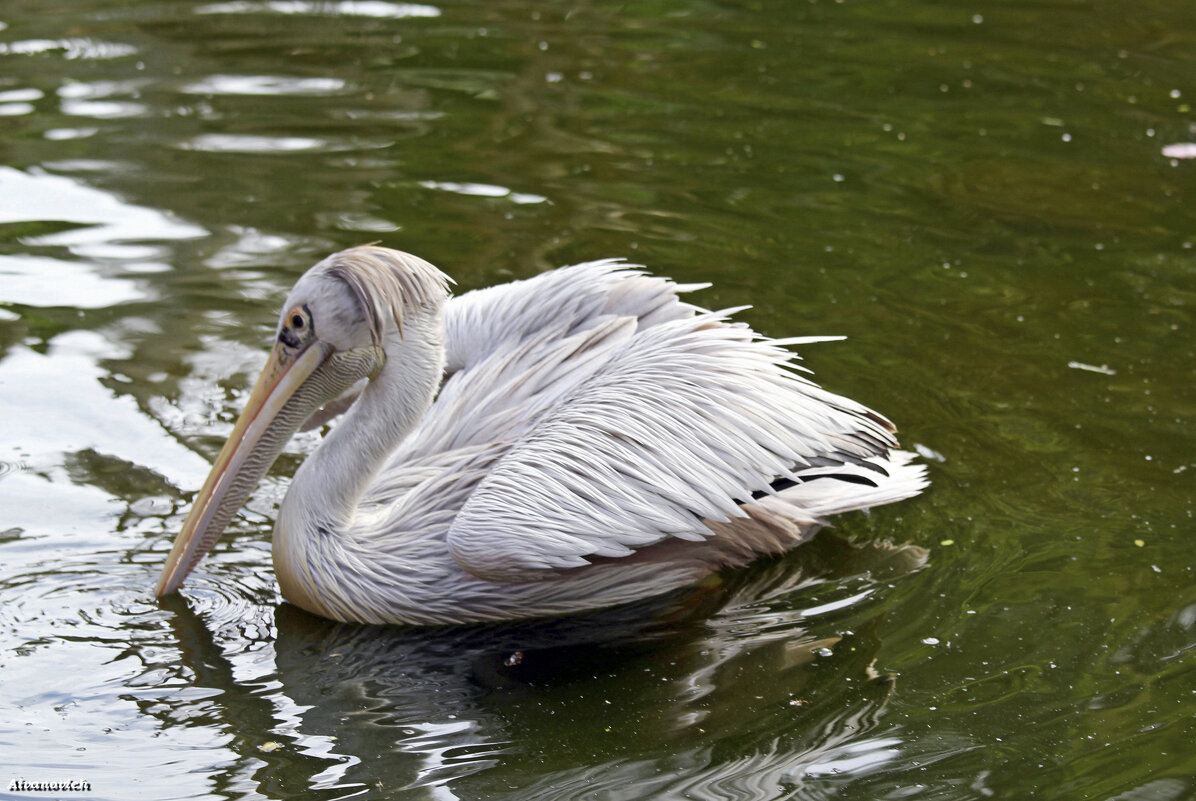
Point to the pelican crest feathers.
(385, 280)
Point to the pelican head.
(332, 333)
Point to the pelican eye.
(295, 327)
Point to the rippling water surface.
(993, 201)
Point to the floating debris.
(1103, 369)
(928, 453)
(1180, 150)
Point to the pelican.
(580, 439)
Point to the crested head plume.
(387, 281)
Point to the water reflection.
(59, 212)
(74, 48)
(264, 85)
(690, 693)
(41, 281)
(349, 8)
(61, 483)
(14, 102)
(260, 144)
(483, 190)
(99, 99)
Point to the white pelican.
(579, 439)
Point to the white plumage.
(594, 440)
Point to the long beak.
(276, 408)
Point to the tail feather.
(829, 491)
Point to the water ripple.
(16, 102)
(483, 190)
(104, 226)
(347, 8)
(74, 48)
(45, 282)
(260, 144)
(264, 85)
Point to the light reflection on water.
(170, 169)
(38, 281)
(97, 225)
(362, 8)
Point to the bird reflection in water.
(728, 684)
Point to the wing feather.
(483, 322)
(513, 352)
(686, 420)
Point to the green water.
(975, 194)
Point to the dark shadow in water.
(620, 695)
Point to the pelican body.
(579, 439)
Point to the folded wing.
(687, 427)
